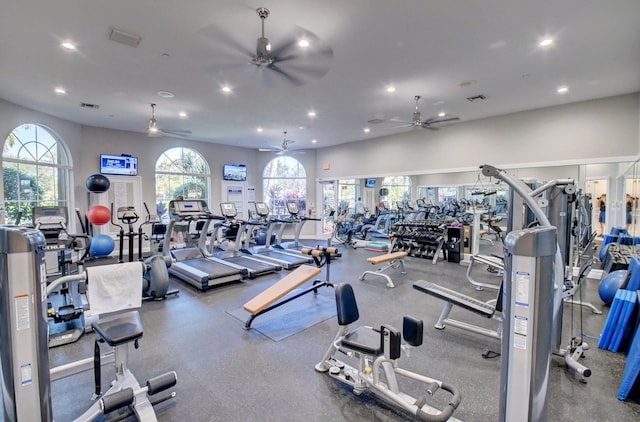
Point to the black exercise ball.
(98, 183)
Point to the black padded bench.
(490, 309)
(459, 299)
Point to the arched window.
(35, 171)
(284, 179)
(399, 188)
(181, 171)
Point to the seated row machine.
(377, 352)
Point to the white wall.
(590, 131)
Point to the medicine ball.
(99, 215)
(98, 183)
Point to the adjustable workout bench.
(393, 259)
(268, 300)
(490, 309)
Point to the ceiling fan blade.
(401, 126)
(287, 75)
(282, 48)
(434, 120)
(215, 33)
(377, 121)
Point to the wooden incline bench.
(393, 259)
(268, 299)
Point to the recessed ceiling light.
(165, 94)
(545, 42)
(366, 130)
(259, 129)
(311, 114)
(60, 90)
(303, 43)
(183, 114)
(226, 89)
(442, 114)
(314, 141)
(68, 45)
(391, 88)
(562, 89)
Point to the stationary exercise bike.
(377, 352)
(156, 279)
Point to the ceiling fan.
(417, 121)
(311, 59)
(153, 129)
(283, 149)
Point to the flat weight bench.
(490, 309)
(268, 299)
(393, 260)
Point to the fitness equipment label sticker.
(520, 325)
(519, 341)
(23, 321)
(25, 374)
(522, 289)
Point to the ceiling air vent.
(476, 98)
(87, 105)
(123, 37)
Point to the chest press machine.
(26, 389)
(376, 368)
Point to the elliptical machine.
(156, 279)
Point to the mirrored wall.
(614, 189)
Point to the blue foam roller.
(631, 369)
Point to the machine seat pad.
(386, 257)
(119, 329)
(467, 302)
(364, 340)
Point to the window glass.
(180, 171)
(35, 171)
(284, 179)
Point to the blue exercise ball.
(610, 285)
(98, 183)
(101, 245)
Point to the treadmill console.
(292, 207)
(52, 222)
(188, 209)
(262, 209)
(228, 209)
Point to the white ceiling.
(422, 47)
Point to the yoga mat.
(293, 317)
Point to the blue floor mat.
(293, 317)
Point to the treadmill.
(194, 265)
(236, 230)
(287, 260)
(298, 221)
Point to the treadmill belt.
(211, 267)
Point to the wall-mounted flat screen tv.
(370, 183)
(121, 165)
(235, 172)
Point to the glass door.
(329, 205)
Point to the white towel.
(114, 287)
